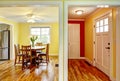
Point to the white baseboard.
(77, 58)
(89, 61)
(112, 79)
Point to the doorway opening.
(56, 29)
(88, 16)
(4, 42)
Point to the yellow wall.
(89, 36)
(114, 43)
(24, 35)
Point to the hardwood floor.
(79, 70)
(9, 72)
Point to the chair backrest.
(38, 44)
(26, 50)
(16, 48)
(47, 49)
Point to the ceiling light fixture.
(31, 21)
(79, 12)
(31, 18)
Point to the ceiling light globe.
(31, 21)
(79, 12)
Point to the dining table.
(36, 48)
(34, 51)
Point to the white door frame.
(118, 45)
(110, 31)
(60, 4)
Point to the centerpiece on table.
(33, 39)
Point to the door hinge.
(94, 59)
(94, 42)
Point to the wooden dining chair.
(38, 44)
(18, 54)
(26, 57)
(44, 56)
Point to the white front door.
(102, 44)
(74, 41)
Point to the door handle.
(107, 47)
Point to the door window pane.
(106, 28)
(101, 29)
(97, 24)
(101, 22)
(97, 30)
(106, 21)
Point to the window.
(42, 33)
(102, 25)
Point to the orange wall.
(89, 36)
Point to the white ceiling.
(86, 12)
(42, 13)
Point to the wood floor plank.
(80, 70)
(9, 72)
